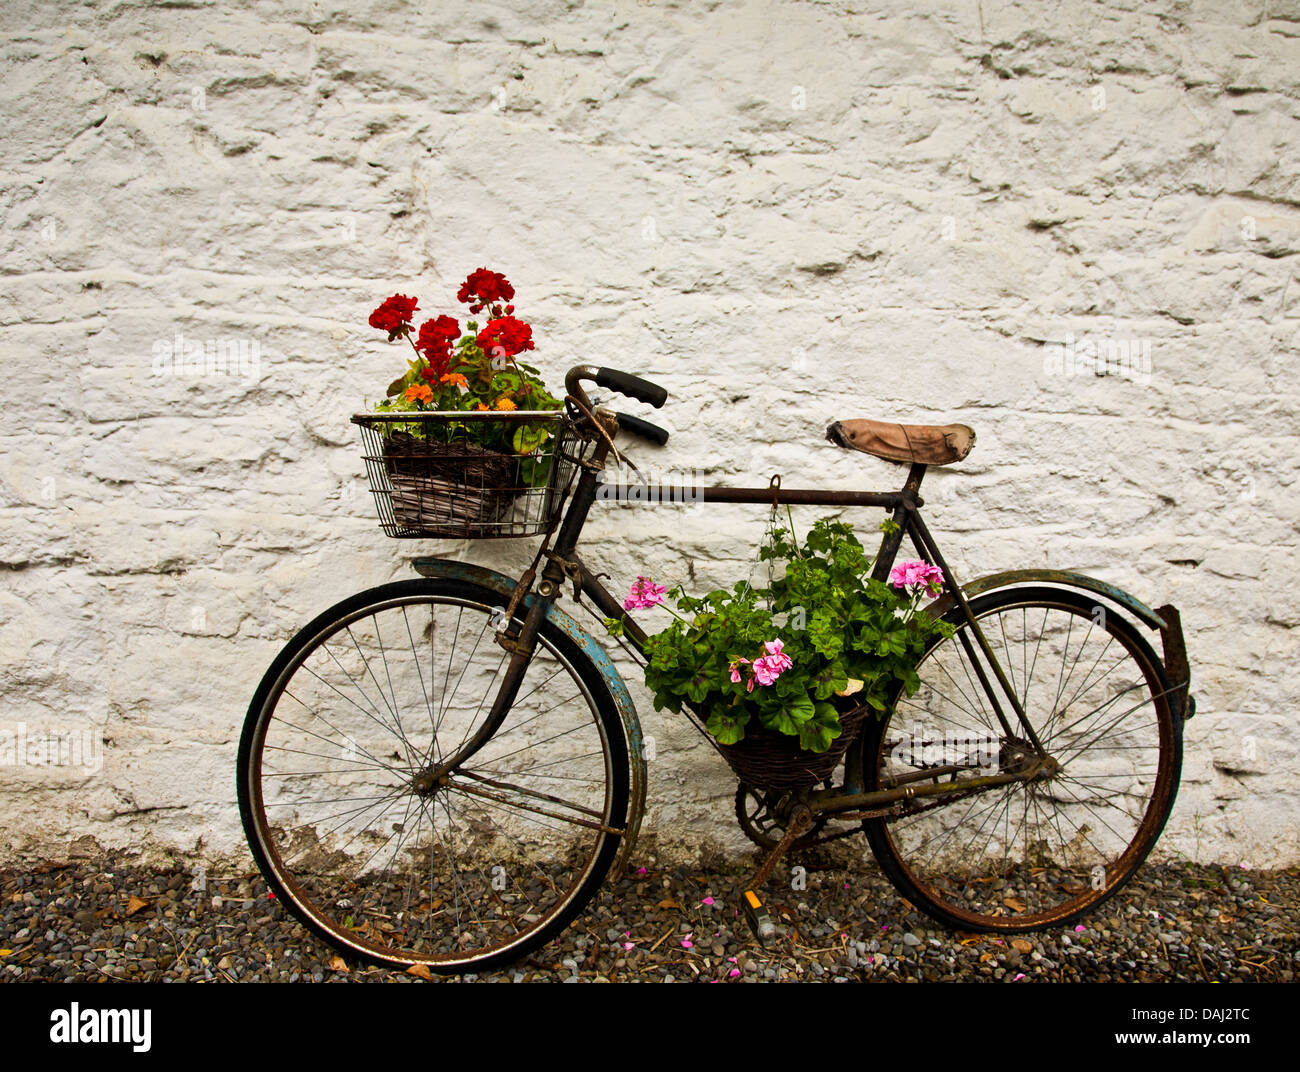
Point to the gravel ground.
(108, 920)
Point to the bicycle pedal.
(759, 919)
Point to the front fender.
(445, 569)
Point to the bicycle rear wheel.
(496, 858)
(1028, 855)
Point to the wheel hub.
(429, 781)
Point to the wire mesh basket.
(432, 477)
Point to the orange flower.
(505, 403)
(479, 406)
(419, 392)
(456, 379)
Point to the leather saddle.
(921, 444)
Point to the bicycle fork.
(520, 648)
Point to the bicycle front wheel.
(480, 868)
(1040, 853)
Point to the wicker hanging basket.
(766, 759)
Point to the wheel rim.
(497, 855)
(1027, 855)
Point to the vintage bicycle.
(444, 770)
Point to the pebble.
(69, 924)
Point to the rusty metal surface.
(795, 496)
(1063, 577)
(590, 647)
(1175, 648)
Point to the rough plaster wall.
(924, 201)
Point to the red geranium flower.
(513, 336)
(436, 337)
(484, 287)
(394, 315)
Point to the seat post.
(914, 477)
(894, 538)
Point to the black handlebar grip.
(639, 427)
(632, 386)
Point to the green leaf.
(817, 733)
(830, 680)
(726, 727)
(790, 714)
(697, 688)
(529, 437)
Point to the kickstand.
(756, 913)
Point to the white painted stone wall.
(785, 212)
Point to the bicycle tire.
(496, 861)
(1115, 772)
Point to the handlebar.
(622, 382)
(637, 426)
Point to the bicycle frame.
(904, 505)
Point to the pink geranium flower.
(645, 594)
(917, 575)
(766, 668)
(776, 657)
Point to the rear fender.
(1064, 578)
(1166, 619)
